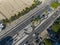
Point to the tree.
(58, 32)
(33, 6)
(39, 17)
(23, 12)
(13, 18)
(5, 21)
(19, 14)
(27, 9)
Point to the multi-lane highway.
(24, 23)
(28, 21)
(41, 27)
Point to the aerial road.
(41, 28)
(24, 23)
(27, 21)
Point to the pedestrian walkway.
(44, 34)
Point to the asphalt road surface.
(41, 27)
(24, 23)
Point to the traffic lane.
(46, 23)
(22, 21)
(20, 27)
(41, 28)
(29, 39)
(42, 11)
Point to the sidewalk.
(44, 34)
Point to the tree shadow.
(6, 41)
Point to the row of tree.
(23, 12)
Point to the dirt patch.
(11, 7)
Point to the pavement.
(21, 19)
(28, 28)
(42, 22)
(16, 29)
(44, 34)
(42, 27)
(23, 24)
(20, 26)
(22, 34)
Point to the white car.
(1, 26)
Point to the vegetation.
(47, 42)
(37, 19)
(46, 12)
(56, 26)
(27, 9)
(5, 21)
(55, 5)
(13, 18)
(23, 12)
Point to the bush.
(55, 5)
(27, 9)
(13, 18)
(47, 42)
(24, 11)
(5, 21)
(19, 14)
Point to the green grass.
(55, 27)
(47, 42)
(46, 11)
(55, 5)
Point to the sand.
(11, 7)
